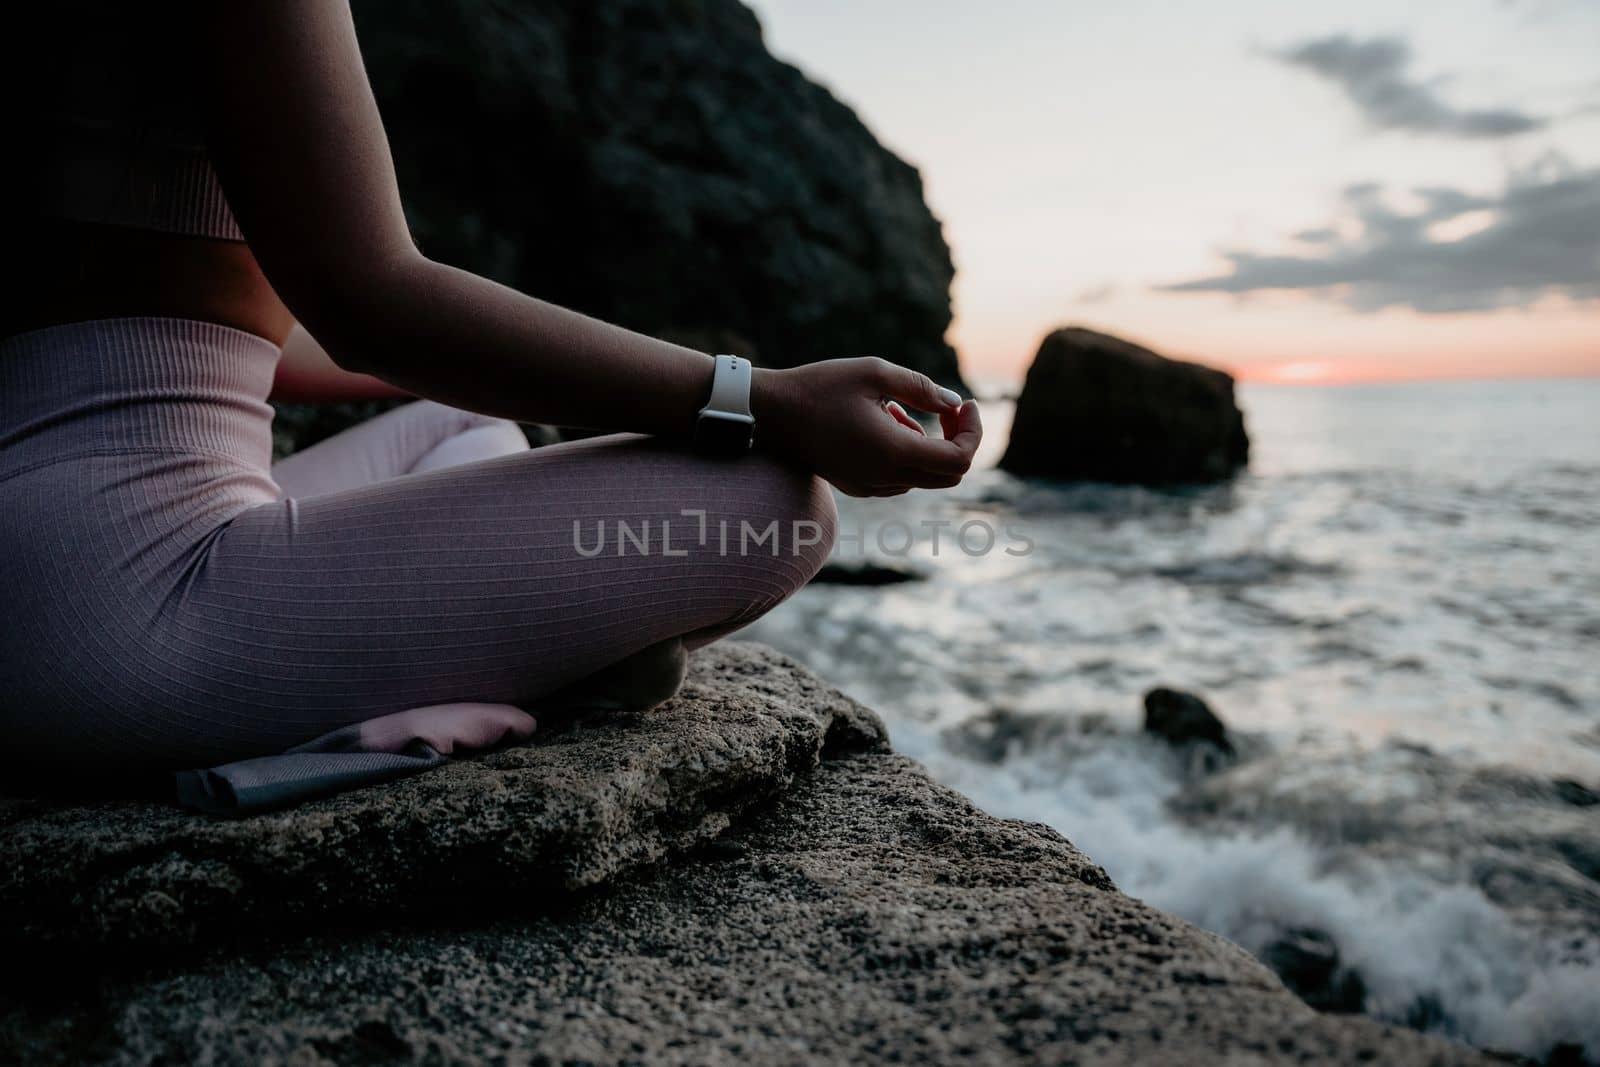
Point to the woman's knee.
(796, 515)
(821, 516)
(469, 437)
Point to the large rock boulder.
(499, 910)
(1098, 408)
(584, 805)
(650, 162)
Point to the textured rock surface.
(871, 915)
(581, 806)
(1097, 408)
(866, 914)
(650, 162)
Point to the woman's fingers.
(903, 417)
(871, 460)
(950, 423)
(915, 388)
(948, 457)
(861, 491)
(969, 430)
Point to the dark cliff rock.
(1097, 408)
(650, 162)
(813, 899)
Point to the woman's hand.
(837, 419)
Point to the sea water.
(1397, 613)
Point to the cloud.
(1096, 294)
(1372, 74)
(1541, 237)
(1319, 235)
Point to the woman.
(206, 180)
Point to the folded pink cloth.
(443, 727)
(363, 753)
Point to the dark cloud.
(1543, 238)
(1372, 74)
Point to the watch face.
(724, 434)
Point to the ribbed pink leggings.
(172, 601)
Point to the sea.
(1395, 611)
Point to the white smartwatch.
(726, 425)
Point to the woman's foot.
(649, 677)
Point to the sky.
(1304, 191)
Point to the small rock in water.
(999, 733)
(1576, 793)
(1181, 718)
(865, 572)
(1308, 962)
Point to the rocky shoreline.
(748, 874)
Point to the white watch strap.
(730, 386)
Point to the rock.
(580, 807)
(868, 915)
(1308, 962)
(1001, 733)
(649, 162)
(1181, 718)
(1576, 793)
(1097, 408)
(652, 163)
(865, 572)
(1566, 1054)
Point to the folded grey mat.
(316, 769)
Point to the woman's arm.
(307, 374)
(298, 143)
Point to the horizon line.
(1012, 385)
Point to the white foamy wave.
(1430, 954)
(1397, 607)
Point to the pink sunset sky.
(1312, 192)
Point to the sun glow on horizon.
(1295, 341)
(1296, 372)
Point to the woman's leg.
(499, 582)
(416, 437)
(425, 436)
